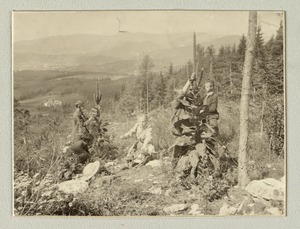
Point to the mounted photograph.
(149, 113)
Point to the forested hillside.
(145, 85)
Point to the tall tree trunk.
(263, 112)
(231, 82)
(254, 94)
(147, 103)
(211, 69)
(244, 115)
(194, 53)
(140, 104)
(212, 77)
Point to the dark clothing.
(80, 149)
(211, 103)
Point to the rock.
(228, 210)
(167, 193)
(183, 164)
(138, 180)
(167, 159)
(259, 208)
(282, 179)
(36, 176)
(269, 189)
(105, 180)
(274, 211)
(175, 208)
(195, 210)
(65, 149)
(246, 207)
(251, 162)
(73, 186)
(120, 167)
(109, 164)
(154, 163)
(137, 161)
(47, 193)
(155, 191)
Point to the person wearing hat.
(94, 126)
(143, 149)
(210, 106)
(79, 119)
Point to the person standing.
(210, 107)
(79, 119)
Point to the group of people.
(195, 117)
(85, 138)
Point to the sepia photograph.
(149, 113)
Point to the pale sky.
(34, 25)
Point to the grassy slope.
(128, 191)
(129, 197)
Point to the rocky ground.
(154, 190)
(150, 190)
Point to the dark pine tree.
(242, 48)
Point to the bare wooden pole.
(263, 111)
(147, 93)
(194, 53)
(230, 77)
(244, 115)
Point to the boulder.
(73, 186)
(175, 208)
(228, 210)
(109, 164)
(138, 180)
(155, 191)
(183, 164)
(269, 189)
(195, 210)
(168, 192)
(102, 181)
(154, 163)
(274, 211)
(246, 207)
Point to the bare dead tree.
(244, 115)
(194, 52)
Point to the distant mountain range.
(115, 54)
